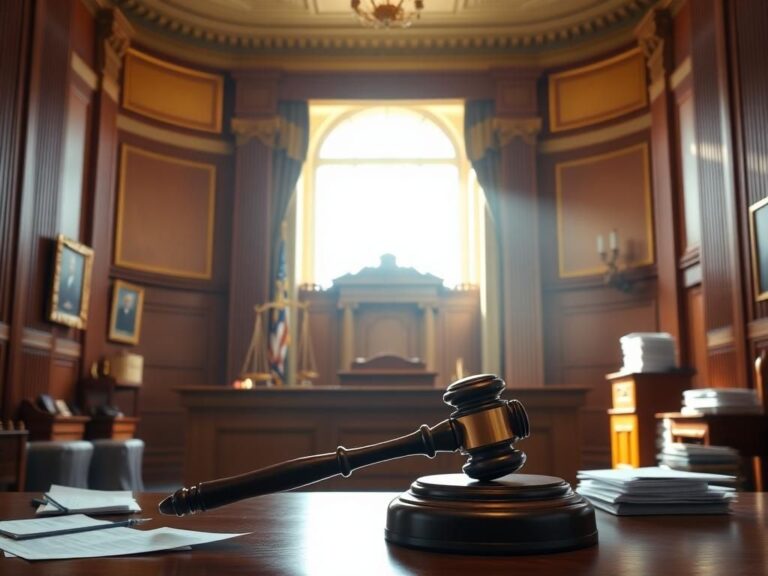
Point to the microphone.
(482, 426)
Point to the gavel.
(482, 426)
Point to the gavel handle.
(302, 471)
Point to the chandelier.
(387, 13)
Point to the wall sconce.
(613, 276)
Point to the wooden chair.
(13, 457)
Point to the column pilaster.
(113, 34)
(520, 255)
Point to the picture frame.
(71, 285)
(126, 312)
(758, 240)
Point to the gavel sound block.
(488, 509)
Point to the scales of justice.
(256, 366)
(490, 508)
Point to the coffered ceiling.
(296, 31)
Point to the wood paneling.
(319, 419)
(598, 92)
(45, 142)
(165, 215)
(13, 23)
(457, 332)
(605, 315)
(721, 268)
(174, 94)
(83, 33)
(182, 345)
(681, 34)
(387, 329)
(458, 335)
(750, 21)
(689, 176)
(251, 247)
(597, 194)
(74, 165)
(40, 149)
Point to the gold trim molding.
(579, 97)
(263, 129)
(340, 40)
(114, 33)
(150, 82)
(653, 35)
(593, 137)
(507, 129)
(186, 141)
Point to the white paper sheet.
(81, 500)
(94, 544)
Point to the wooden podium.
(636, 398)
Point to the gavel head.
(487, 426)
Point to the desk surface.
(342, 533)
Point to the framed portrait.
(125, 317)
(71, 286)
(758, 236)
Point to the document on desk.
(112, 542)
(85, 501)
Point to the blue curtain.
(483, 148)
(287, 159)
(483, 151)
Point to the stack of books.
(721, 401)
(698, 458)
(649, 491)
(648, 352)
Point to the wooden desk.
(336, 533)
(230, 431)
(747, 433)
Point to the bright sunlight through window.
(388, 179)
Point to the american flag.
(279, 335)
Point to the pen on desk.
(120, 524)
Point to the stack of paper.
(90, 544)
(721, 401)
(698, 458)
(646, 491)
(648, 352)
(83, 501)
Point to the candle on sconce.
(600, 245)
(613, 240)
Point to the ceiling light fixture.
(387, 14)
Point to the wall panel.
(181, 345)
(721, 264)
(597, 92)
(750, 24)
(165, 214)
(173, 94)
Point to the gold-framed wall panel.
(122, 261)
(173, 94)
(563, 271)
(620, 81)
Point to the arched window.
(388, 179)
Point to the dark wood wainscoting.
(230, 431)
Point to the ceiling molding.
(459, 39)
